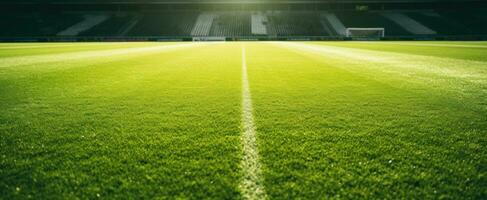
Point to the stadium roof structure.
(226, 1)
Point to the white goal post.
(365, 32)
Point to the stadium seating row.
(243, 23)
(231, 24)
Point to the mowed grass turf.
(345, 123)
(339, 120)
(154, 124)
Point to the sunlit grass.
(158, 125)
(341, 123)
(342, 120)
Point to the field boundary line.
(251, 185)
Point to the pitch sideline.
(251, 185)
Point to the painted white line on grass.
(251, 185)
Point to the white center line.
(251, 185)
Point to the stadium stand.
(164, 24)
(481, 15)
(112, 26)
(89, 22)
(287, 23)
(331, 20)
(259, 23)
(203, 24)
(371, 20)
(130, 25)
(266, 20)
(472, 23)
(231, 24)
(440, 24)
(36, 24)
(408, 23)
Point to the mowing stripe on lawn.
(402, 64)
(50, 45)
(426, 44)
(251, 185)
(29, 60)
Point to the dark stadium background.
(142, 20)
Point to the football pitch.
(243, 120)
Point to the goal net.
(365, 33)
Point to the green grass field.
(333, 120)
